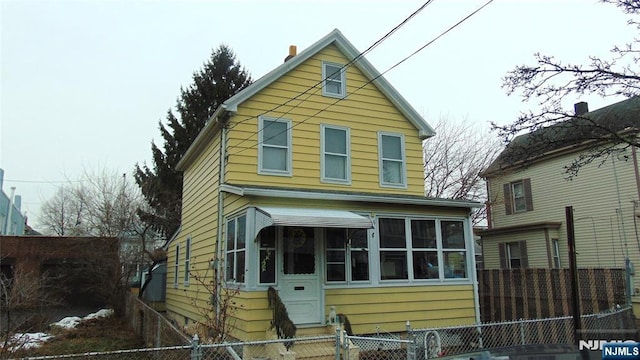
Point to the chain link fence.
(618, 323)
(155, 329)
(414, 344)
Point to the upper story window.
(334, 80)
(274, 150)
(335, 160)
(236, 249)
(392, 165)
(517, 196)
(513, 255)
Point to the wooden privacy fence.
(511, 294)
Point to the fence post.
(479, 331)
(158, 331)
(337, 328)
(411, 348)
(196, 350)
(522, 333)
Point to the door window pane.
(299, 251)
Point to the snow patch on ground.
(30, 340)
(69, 322)
(33, 340)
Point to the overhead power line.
(365, 84)
(317, 86)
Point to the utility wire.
(317, 85)
(365, 84)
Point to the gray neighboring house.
(12, 220)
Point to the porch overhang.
(284, 216)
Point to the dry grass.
(104, 334)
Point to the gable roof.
(569, 135)
(350, 52)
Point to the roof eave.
(424, 129)
(312, 195)
(200, 141)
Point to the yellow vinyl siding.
(594, 197)
(387, 309)
(371, 310)
(199, 222)
(364, 112)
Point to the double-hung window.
(513, 255)
(556, 253)
(392, 166)
(335, 160)
(424, 247)
(333, 80)
(347, 255)
(454, 252)
(176, 267)
(236, 246)
(187, 260)
(393, 249)
(518, 197)
(274, 150)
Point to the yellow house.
(310, 181)
(529, 190)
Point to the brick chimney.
(581, 108)
(293, 51)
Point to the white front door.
(299, 283)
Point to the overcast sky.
(84, 83)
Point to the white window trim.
(513, 196)
(235, 251)
(261, 171)
(323, 178)
(348, 273)
(176, 267)
(510, 257)
(187, 261)
(557, 263)
(381, 160)
(343, 80)
(410, 249)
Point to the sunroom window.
(236, 245)
(437, 249)
(347, 255)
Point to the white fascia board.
(172, 238)
(424, 129)
(294, 194)
(350, 51)
(200, 141)
(231, 189)
(232, 103)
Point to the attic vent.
(581, 108)
(293, 51)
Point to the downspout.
(634, 157)
(474, 272)
(222, 120)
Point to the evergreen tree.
(219, 79)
